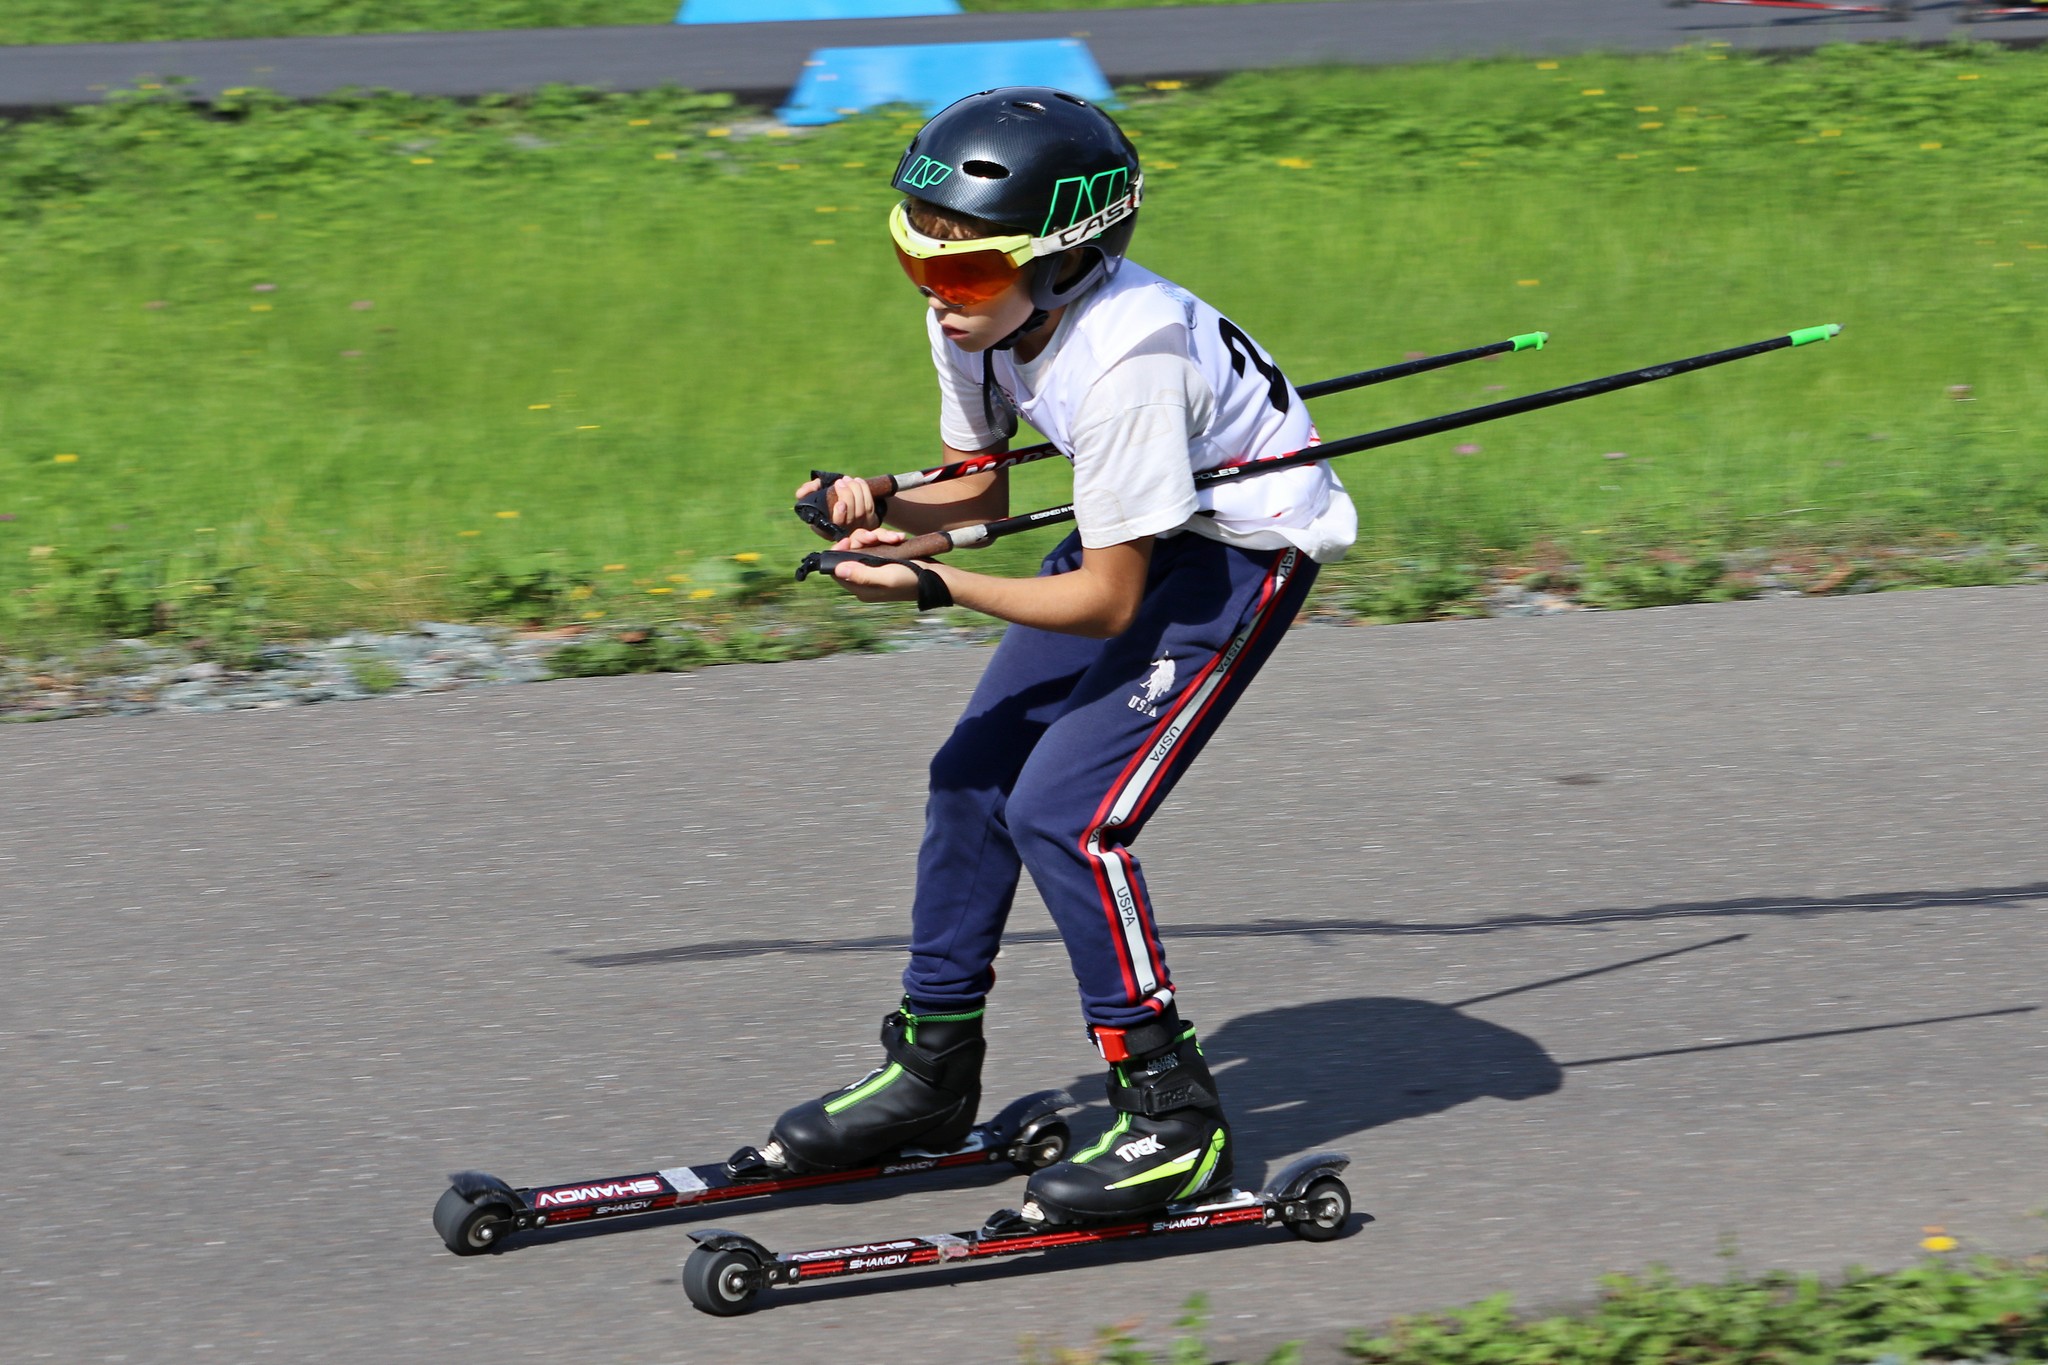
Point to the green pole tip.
(1820, 333)
(1530, 341)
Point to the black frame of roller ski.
(728, 1270)
(816, 511)
(974, 537)
(480, 1213)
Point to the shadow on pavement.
(1319, 930)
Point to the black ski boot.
(925, 1094)
(1170, 1142)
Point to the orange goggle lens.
(962, 279)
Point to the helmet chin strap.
(1007, 424)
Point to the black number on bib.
(1243, 349)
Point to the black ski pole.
(973, 537)
(816, 507)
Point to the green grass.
(131, 21)
(1946, 1308)
(548, 358)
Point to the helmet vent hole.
(1073, 99)
(986, 170)
(1028, 106)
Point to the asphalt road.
(1598, 941)
(762, 61)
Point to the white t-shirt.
(1141, 386)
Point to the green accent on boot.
(1205, 1170)
(867, 1089)
(911, 1019)
(1178, 1166)
(1102, 1144)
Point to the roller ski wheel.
(478, 1213)
(723, 1283)
(1325, 1208)
(727, 1271)
(472, 1227)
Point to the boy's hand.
(893, 584)
(852, 502)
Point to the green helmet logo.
(926, 173)
(1077, 198)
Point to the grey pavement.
(1597, 940)
(762, 61)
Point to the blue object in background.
(838, 81)
(758, 11)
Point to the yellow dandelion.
(1546, 66)
(1939, 1243)
(699, 594)
(538, 407)
(259, 307)
(1930, 146)
(1295, 163)
(1683, 169)
(718, 132)
(1649, 126)
(1592, 92)
(2001, 265)
(778, 132)
(1165, 85)
(2037, 246)
(828, 208)
(64, 459)
(423, 161)
(1471, 163)
(824, 241)
(614, 568)
(1596, 531)
(593, 616)
(1717, 57)
(1528, 284)
(658, 592)
(202, 530)
(747, 558)
(1970, 77)
(1625, 156)
(469, 533)
(854, 165)
(1166, 165)
(638, 122)
(266, 217)
(508, 516)
(593, 427)
(664, 156)
(580, 592)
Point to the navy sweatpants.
(1065, 750)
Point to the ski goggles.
(960, 273)
(980, 268)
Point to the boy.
(1124, 653)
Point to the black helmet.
(1037, 160)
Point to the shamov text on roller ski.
(480, 1213)
(727, 1271)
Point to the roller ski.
(727, 1271)
(914, 1113)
